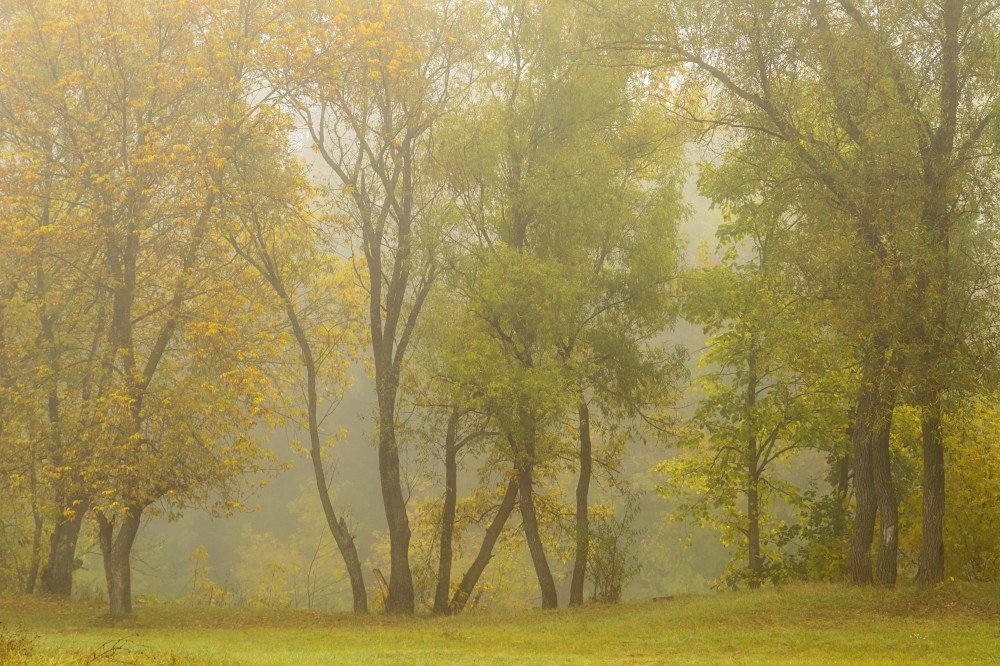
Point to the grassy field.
(809, 624)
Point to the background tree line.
(486, 219)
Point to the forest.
(458, 309)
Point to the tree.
(451, 429)
(881, 115)
(151, 103)
(52, 350)
(315, 292)
(772, 385)
(566, 279)
(375, 81)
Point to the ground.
(798, 624)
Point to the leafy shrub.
(613, 560)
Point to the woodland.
(445, 307)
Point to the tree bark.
(529, 521)
(885, 498)
(471, 577)
(57, 574)
(940, 167)
(931, 568)
(117, 553)
(38, 519)
(336, 524)
(755, 566)
(843, 477)
(342, 535)
(400, 599)
(36, 551)
(582, 509)
(448, 508)
(863, 529)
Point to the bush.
(613, 561)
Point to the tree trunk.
(863, 529)
(57, 574)
(582, 509)
(471, 577)
(338, 527)
(529, 521)
(36, 550)
(873, 485)
(345, 543)
(931, 569)
(336, 524)
(885, 496)
(755, 565)
(842, 475)
(400, 599)
(940, 167)
(443, 588)
(38, 518)
(117, 554)
(342, 535)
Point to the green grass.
(799, 624)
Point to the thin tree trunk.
(931, 569)
(755, 565)
(582, 509)
(529, 521)
(842, 475)
(448, 509)
(57, 574)
(36, 514)
(36, 550)
(342, 535)
(336, 524)
(117, 554)
(471, 577)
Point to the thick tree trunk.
(888, 505)
(471, 577)
(863, 529)
(873, 485)
(529, 521)
(400, 600)
(582, 509)
(448, 508)
(940, 167)
(931, 569)
(57, 574)
(117, 553)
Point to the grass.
(798, 624)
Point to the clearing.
(795, 624)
